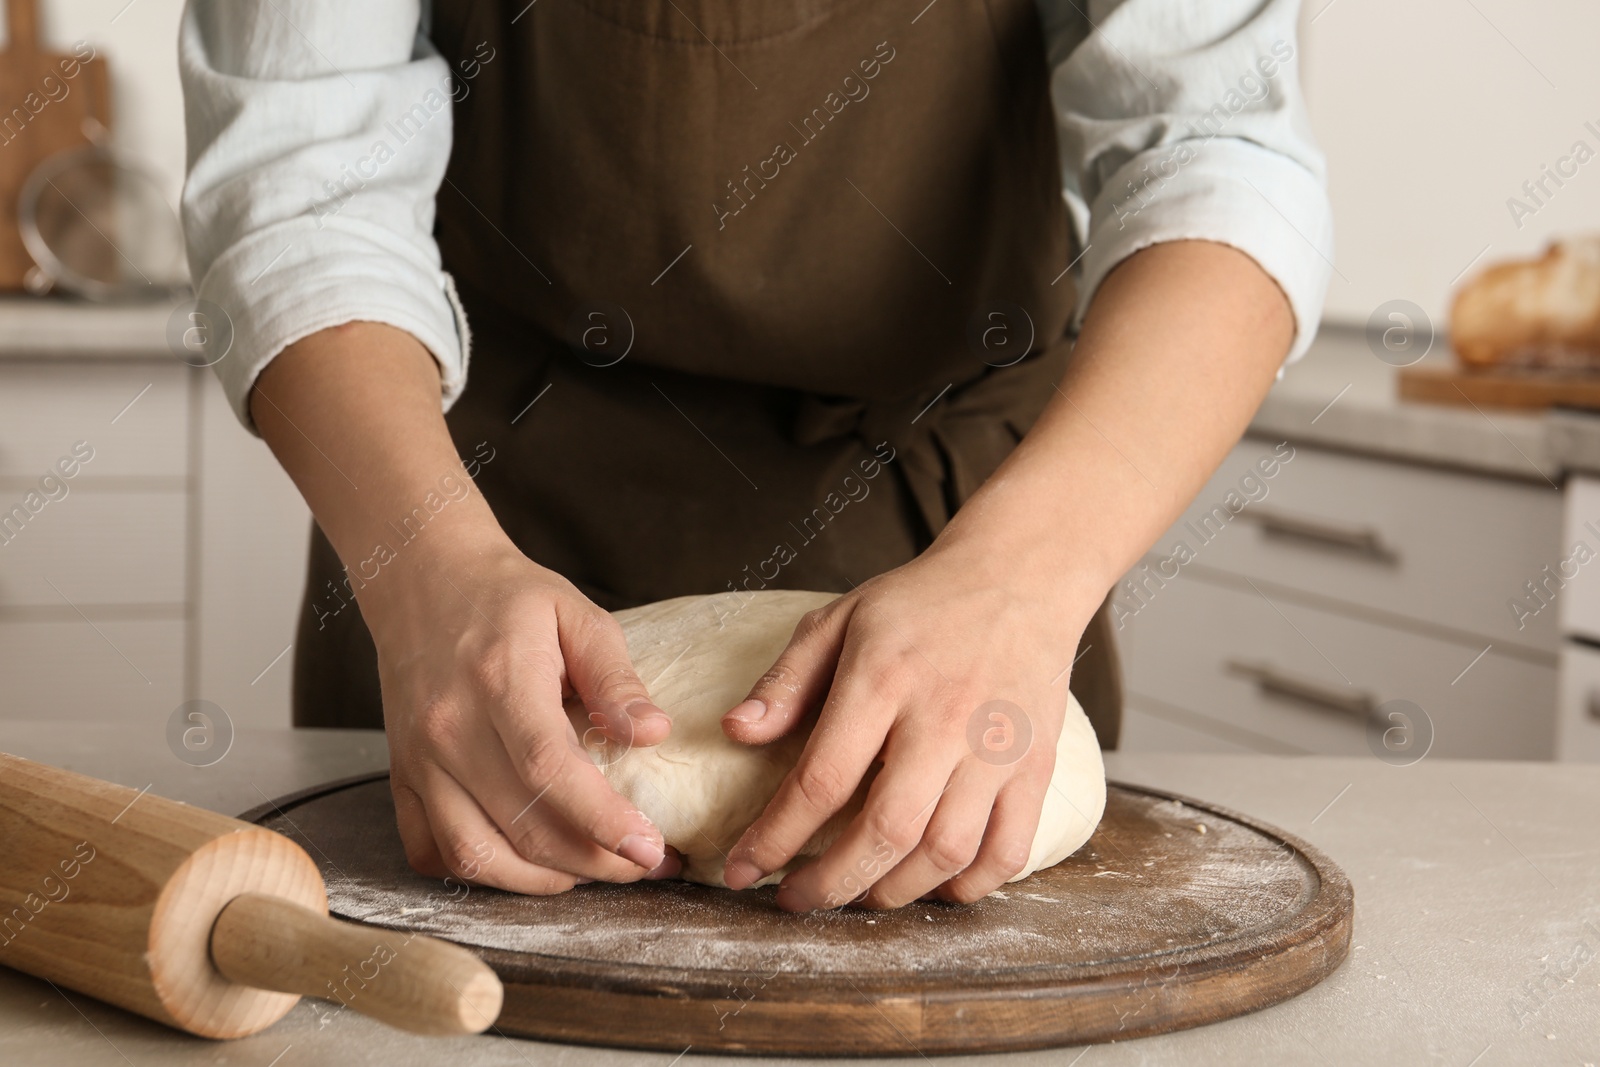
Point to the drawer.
(1579, 599)
(65, 671)
(97, 547)
(46, 407)
(1152, 727)
(1435, 546)
(1301, 677)
(1578, 720)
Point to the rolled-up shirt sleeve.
(1184, 122)
(318, 134)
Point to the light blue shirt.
(1177, 120)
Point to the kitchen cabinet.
(1398, 542)
(168, 567)
(1578, 713)
(1284, 613)
(1574, 587)
(1574, 584)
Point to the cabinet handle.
(1359, 705)
(1359, 540)
(1594, 704)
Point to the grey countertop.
(1339, 395)
(1476, 939)
(61, 328)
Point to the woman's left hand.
(1177, 349)
(952, 672)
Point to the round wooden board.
(1175, 914)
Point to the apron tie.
(945, 446)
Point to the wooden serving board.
(46, 99)
(1175, 914)
(1502, 387)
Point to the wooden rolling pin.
(199, 921)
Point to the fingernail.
(584, 881)
(641, 850)
(644, 711)
(741, 874)
(669, 867)
(750, 711)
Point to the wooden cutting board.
(47, 100)
(1175, 914)
(1502, 387)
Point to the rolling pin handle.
(410, 981)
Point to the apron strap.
(947, 441)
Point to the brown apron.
(748, 284)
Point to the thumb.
(602, 676)
(796, 683)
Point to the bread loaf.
(1542, 312)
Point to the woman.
(759, 296)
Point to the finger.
(949, 843)
(1007, 842)
(670, 867)
(885, 832)
(558, 772)
(850, 732)
(472, 848)
(416, 836)
(796, 683)
(535, 829)
(601, 673)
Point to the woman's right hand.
(477, 648)
(477, 644)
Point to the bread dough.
(699, 656)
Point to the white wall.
(1433, 113)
